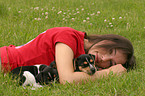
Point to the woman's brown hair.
(120, 42)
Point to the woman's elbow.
(66, 80)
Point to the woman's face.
(105, 58)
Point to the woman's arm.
(64, 60)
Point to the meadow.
(23, 20)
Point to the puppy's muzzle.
(92, 69)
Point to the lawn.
(23, 20)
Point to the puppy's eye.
(54, 76)
(85, 63)
(91, 60)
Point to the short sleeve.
(69, 38)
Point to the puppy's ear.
(53, 64)
(42, 67)
(39, 77)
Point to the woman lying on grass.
(63, 44)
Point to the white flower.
(87, 18)
(78, 12)
(92, 14)
(36, 8)
(82, 9)
(105, 20)
(39, 19)
(9, 8)
(73, 18)
(110, 23)
(91, 24)
(42, 13)
(42, 9)
(113, 18)
(35, 18)
(19, 11)
(98, 12)
(120, 17)
(77, 8)
(75, 13)
(63, 19)
(46, 13)
(53, 7)
(64, 13)
(59, 12)
(46, 17)
(144, 27)
(84, 20)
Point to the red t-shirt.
(41, 50)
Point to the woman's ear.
(87, 44)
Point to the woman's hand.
(117, 69)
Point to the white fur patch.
(30, 80)
(38, 68)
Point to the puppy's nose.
(93, 70)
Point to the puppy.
(85, 63)
(43, 74)
(48, 75)
(27, 74)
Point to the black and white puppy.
(85, 63)
(48, 75)
(27, 74)
(38, 75)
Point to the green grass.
(18, 26)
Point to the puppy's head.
(53, 65)
(85, 63)
(47, 75)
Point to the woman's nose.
(106, 58)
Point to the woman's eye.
(111, 63)
(111, 51)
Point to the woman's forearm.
(78, 77)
